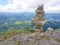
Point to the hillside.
(44, 38)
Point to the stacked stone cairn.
(39, 19)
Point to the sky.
(50, 6)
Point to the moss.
(38, 38)
(20, 42)
(25, 31)
(46, 37)
(30, 42)
(58, 40)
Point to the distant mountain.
(16, 15)
(28, 15)
(55, 16)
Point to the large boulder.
(50, 31)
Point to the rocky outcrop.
(49, 31)
(39, 39)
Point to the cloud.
(52, 6)
(20, 5)
(30, 5)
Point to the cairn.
(39, 19)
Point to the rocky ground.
(44, 38)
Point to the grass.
(11, 32)
(58, 41)
(46, 37)
(20, 42)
